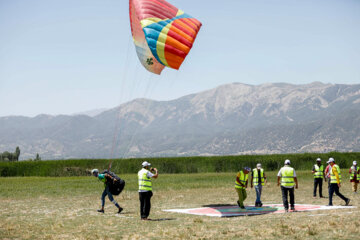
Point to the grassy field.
(65, 208)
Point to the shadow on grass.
(231, 210)
(161, 219)
(217, 205)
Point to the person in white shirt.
(145, 188)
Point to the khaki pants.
(242, 195)
(354, 186)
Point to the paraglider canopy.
(163, 35)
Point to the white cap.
(258, 166)
(331, 160)
(247, 169)
(94, 171)
(318, 159)
(145, 164)
(354, 163)
(287, 162)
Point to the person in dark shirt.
(318, 171)
(258, 179)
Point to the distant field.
(65, 208)
(82, 167)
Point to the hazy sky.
(66, 56)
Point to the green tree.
(17, 153)
(6, 156)
(38, 158)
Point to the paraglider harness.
(115, 187)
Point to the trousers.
(285, 192)
(334, 188)
(318, 182)
(145, 203)
(108, 193)
(354, 186)
(258, 190)
(242, 195)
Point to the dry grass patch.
(65, 208)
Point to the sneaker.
(292, 208)
(329, 205)
(100, 210)
(260, 204)
(120, 210)
(242, 207)
(347, 202)
(238, 203)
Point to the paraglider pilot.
(106, 179)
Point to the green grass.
(82, 167)
(65, 208)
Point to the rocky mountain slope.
(230, 119)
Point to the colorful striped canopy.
(163, 35)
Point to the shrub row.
(82, 167)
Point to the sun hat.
(145, 164)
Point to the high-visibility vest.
(243, 178)
(256, 177)
(353, 170)
(332, 175)
(319, 171)
(144, 180)
(287, 176)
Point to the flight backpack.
(116, 187)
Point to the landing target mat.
(232, 211)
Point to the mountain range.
(228, 120)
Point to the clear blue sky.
(65, 56)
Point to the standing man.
(335, 182)
(327, 175)
(241, 184)
(145, 188)
(288, 181)
(258, 179)
(354, 176)
(107, 179)
(318, 171)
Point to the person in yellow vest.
(145, 188)
(354, 176)
(335, 183)
(258, 179)
(318, 171)
(241, 184)
(288, 178)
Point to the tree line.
(196, 164)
